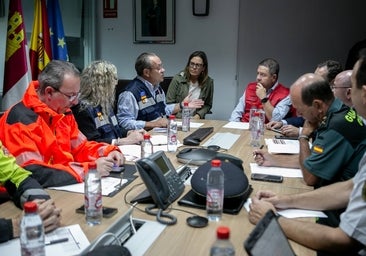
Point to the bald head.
(311, 96)
(342, 87)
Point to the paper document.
(285, 172)
(191, 124)
(237, 125)
(75, 244)
(109, 185)
(280, 146)
(223, 139)
(179, 124)
(133, 152)
(292, 213)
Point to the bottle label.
(214, 199)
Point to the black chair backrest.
(122, 83)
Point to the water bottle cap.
(30, 207)
(216, 163)
(223, 232)
(146, 136)
(185, 103)
(172, 117)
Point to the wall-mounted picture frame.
(154, 21)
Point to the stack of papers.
(75, 243)
(109, 185)
(280, 146)
(285, 172)
(292, 213)
(237, 125)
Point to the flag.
(58, 43)
(16, 72)
(40, 53)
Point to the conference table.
(180, 239)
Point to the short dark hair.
(361, 71)
(143, 61)
(272, 65)
(319, 89)
(334, 68)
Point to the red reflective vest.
(35, 134)
(252, 100)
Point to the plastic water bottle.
(215, 191)
(186, 117)
(31, 232)
(222, 246)
(257, 129)
(93, 196)
(146, 146)
(172, 134)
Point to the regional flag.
(40, 53)
(16, 72)
(58, 43)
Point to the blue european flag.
(58, 42)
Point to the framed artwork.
(154, 21)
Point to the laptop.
(267, 238)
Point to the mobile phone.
(118, 169)
(267, 177)
(107, 211)
(276, 130)
(281, 137)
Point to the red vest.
(252, 100)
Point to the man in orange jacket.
(41, 132)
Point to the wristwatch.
(264, 100)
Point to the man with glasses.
(342, 87)
(41, 132)
(143, 105)
(266, 92)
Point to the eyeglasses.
(70, 97)
(195, 65)
(334, 87)
(158, 68)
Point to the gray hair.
(54, 73)
(143, 61)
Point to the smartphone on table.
(267, 177)
(107, 211)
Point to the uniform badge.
(100, 116)
(364, 191)
(318, 149)
(143, 97)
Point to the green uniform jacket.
(178, 90)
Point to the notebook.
(267, 238)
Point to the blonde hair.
(97, 85)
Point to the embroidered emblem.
(318, 149)
(143, 97)
(100, 116)
(364, 191)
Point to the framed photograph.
(154, 21)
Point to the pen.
(56, 241)
(255, 153)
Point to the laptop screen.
(267, 238)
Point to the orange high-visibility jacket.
(38, 136)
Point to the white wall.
(299, 34)
(215, 34)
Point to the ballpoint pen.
(57, 241)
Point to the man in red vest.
(264, 93)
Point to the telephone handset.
(160, 178)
